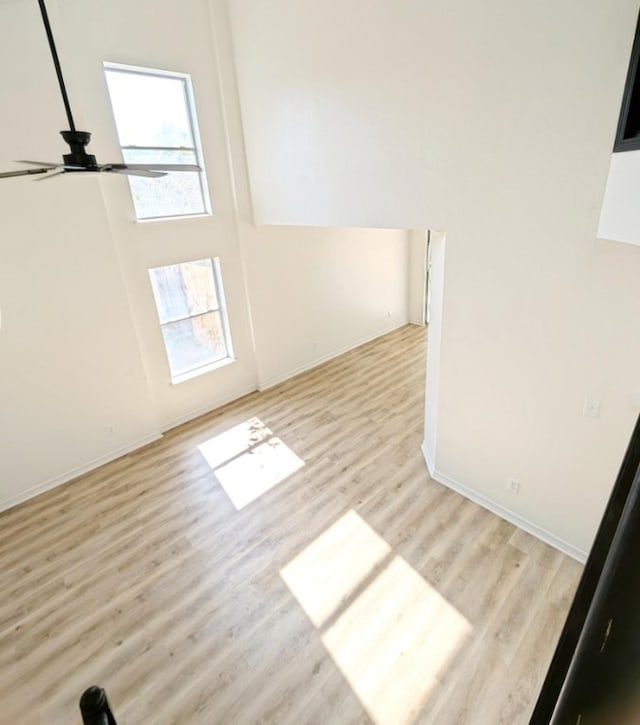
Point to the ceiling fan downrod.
(77, 140)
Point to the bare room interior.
(314, 388)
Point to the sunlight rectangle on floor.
(248, 460)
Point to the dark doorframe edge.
(574, 624)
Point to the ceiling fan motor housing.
(77, 141)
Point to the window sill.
(177, 379)
(179, 217)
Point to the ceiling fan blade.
(137, 172)
(24, 172)
(51, 175)
(159, 167)
(38, 163)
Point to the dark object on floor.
(94, 707)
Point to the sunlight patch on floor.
(393, 642)
(333, 567)
(388, 630)
(233, 442)
(248, 460)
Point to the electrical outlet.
(513, 485)
(591, 408)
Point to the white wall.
(72, 386)
(319, 83)
(313, 292)
(493, 121)
(80, 348)
(316, 292)
(620, 214)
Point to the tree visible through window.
(155, 118)
(190, 303)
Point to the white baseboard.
(117, 453)
(208, 408)
(504, 513)
(265, 385)
(429, 460)
(36, 490)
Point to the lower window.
(190, 302)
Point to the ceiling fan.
(79, 160)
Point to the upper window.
(156, 122)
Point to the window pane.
(149, 110)
(194, 343)
(179, 193)
(194, 329)
(184, 290)
(176, 194)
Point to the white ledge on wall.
(177, 379)
(620, 213)
(503, 513)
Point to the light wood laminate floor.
(355, 590)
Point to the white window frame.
(190, 105)
(224, 317)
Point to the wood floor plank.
(143, 577)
